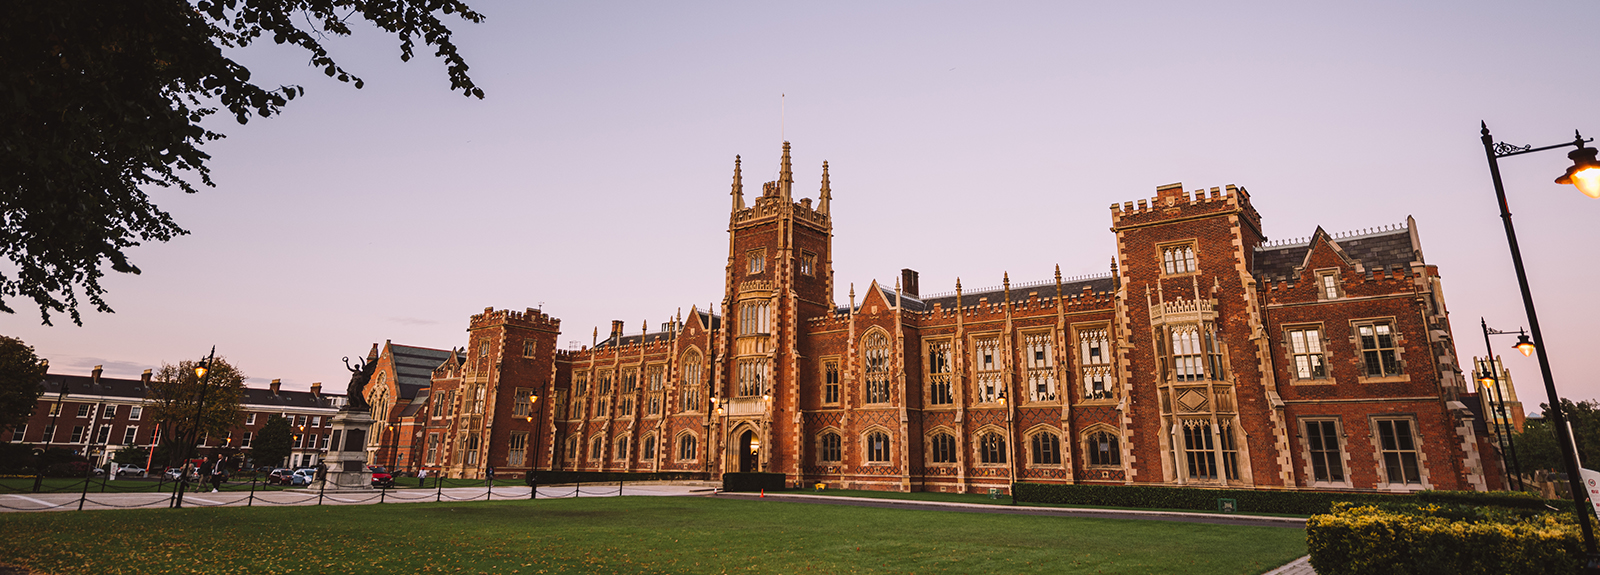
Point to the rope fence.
(106, 493)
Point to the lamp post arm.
(1504, 150)
(1558, 419)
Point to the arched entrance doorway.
(749, 452)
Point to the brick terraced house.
(97, 416)
(1206, 357)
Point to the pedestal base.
(347, 460)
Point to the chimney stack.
(276, 383)
(616, 331)
(144, 378)
(95, 375)
(316, 390)
(908, 282)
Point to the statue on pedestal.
(355, 394)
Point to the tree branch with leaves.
(104, 100)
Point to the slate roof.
(417, 403)
(1375, 251)
(414, 366)
(134, 389)
(1021, 290)
(706, 318)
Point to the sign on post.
(1227, 505)
(1591, 482)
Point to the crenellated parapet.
(530, 318)
(1172, 202)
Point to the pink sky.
(964, 139)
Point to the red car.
(380, 477)
(280, 477)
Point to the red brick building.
(97, 416)
(1207, 356)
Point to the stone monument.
(347, 449)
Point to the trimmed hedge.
(555, 477)
(1368, 540)
(1160, 497)
(753, 482)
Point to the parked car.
(279, 477)
(381, 478)
(303, 477)
(130, 470)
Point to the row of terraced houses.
(1206, 356)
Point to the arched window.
(875, 362)
(942, 448)
(572, 448)
(830, 451)
(597, 448)
(1103, 449)
(878, 447)
(622, 448)
(1046, 448)
(991, 448)
(689, 367)
(686, 447)
(649, 448)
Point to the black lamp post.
(1491, 380)
(1585, 174)
(201, 372)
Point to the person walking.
(422, 478)
(217, 475)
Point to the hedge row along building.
(1207, 356)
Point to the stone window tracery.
(986, 356)
(1038, 355)
(942, 448)
(875, 363)
(939, 376)
(1094, 348)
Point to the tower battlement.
(530, 318)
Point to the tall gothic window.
(1199, 449)
(630, 389)
(986, 357)
(1195, 353)
(1103, 449)
(1046, 448)
(942, 448)
(686, 447)
(877, 447)
(830, 382)
(991, 448)
(690, 374)
(831, 448)
(939, 384)
(1039, 358)
(1095, 350)
(755, 318)
(875, 361)
(518, 449)
(752, 376)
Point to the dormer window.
(1328, 282)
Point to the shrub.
(1368, 540)
(753, 482)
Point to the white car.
(130, 470)
(303, 477)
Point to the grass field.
(626, 535)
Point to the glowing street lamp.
(1586, 177)
(1524, 346)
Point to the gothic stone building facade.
(1206, 357)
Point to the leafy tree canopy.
(184, 404)
(21, 372)
(272, 445)
(1537, 448)
(105, 98)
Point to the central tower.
(780, 271)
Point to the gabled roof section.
(911, 303)
(417, 403)
(1370, 249)
(414, 366)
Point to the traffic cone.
(763, 493)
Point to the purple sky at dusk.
(964, 139)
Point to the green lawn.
(1001, 499)
(625, 535)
